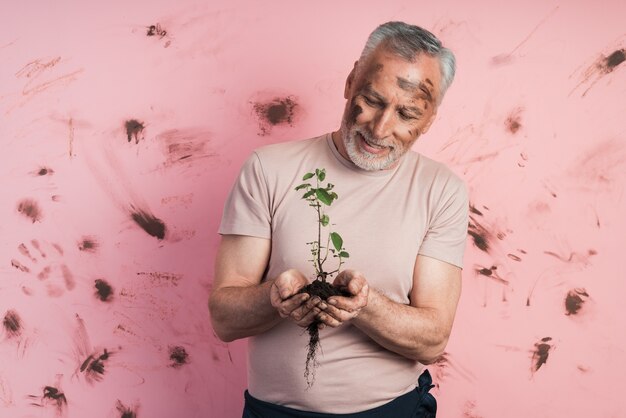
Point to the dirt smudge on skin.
(134, 129)
(179, 356)
(541, 353)
(126, 412)
(149, 223)
(104, 291)
(356, 111)
(278, 111)
(88, 244)
(575, 300)
(12, 324)
(30, 208)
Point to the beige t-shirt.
(385, 218)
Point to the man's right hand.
(284, 297)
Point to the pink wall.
(534, 123)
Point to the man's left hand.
(339, 309)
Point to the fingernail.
(332, 301)
(322, 305)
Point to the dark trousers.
(416, 404)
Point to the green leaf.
(325, 219)
(337, 240)
(307, 176)
(344, 254)
(323, 196)
(333, 195)
(302, 186)
(309, 193)
(322, 175)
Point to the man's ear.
(349, 81)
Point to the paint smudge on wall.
(30, 208)
(179, 356)
(19, 266)
(574, 257)
(12, 324)
(575, 300)
(149, 223)
(278, 111)
(104, 291)
(601, 168)
(93, 366)
(602, 67)
(88, 244)
(158, 31)
(541, 353)
(185, 146)
(157, 278)
(36, 69)
(51, 396)
(134, 129)
(490, 272)
(43, 171)
(513, 122)
(126, 412)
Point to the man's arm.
(242, 306)
(418, 331)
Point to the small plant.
(319, 197)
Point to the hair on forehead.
(408, 41)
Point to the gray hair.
(407, 41)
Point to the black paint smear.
(179, 356)
(133, 129)
(491, 273)
(540, 355)
(574, 301)
(104, 291)
(149, 223)
(513, 257)
(44, 171)
(278, 111)
(125, 411)
(30, 209)
(12, 324)
(474, 210)
(156, 30)
(88, 244)
(480, 234)
(93, 366)
(54, 394)
(615, 59)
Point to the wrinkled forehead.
(420, 76)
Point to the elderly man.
(402, 216)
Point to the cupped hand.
(284, 297)
(340, 309)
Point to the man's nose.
(383, 123)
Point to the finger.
(307, 319)
(303, 309)
(339, 315)
(328, 320)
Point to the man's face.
(391, 102)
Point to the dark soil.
(323, 290)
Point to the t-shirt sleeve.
(447, 232)
(247, 208)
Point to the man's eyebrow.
(407, 85)
(369, 90)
